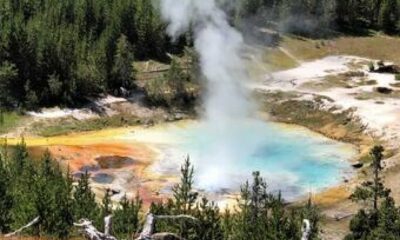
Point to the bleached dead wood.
(165, 236)
(107, 225)
(306, 229)
(149, 226)
(90, 231)
(30, 224)
(341, 216)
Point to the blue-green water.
(291, 159)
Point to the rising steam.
(226, 99)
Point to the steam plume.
(226, 99)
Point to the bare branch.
(92, 233)
(33, 222)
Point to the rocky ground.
(103, 112)
(346, 83)
(337, 85)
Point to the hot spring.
(292, 159)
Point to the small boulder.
(384, 67)
(384, 90)
(357, 165)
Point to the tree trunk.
(306, 229)
(149, 227)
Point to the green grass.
(70, 125)
(375, 47)
(269, 60)
(278, 60)
(10, 121)
(306, 49)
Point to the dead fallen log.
(91, 233)
(30, 224)
(149, 227)
(341, 216)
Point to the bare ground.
(337, 96)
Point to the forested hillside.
(58, 52)
(320, 17)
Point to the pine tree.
(6, 201)
(168, 208)
(209, 226)
(359, 226)
(62, 204)
(388, 221)
(85, 205)
(184, 197)
(251, 215)
(126, 217)
(19, 158)
(106, 207)
(389, 16)
(311, 213)
(42, 197)
(23, 188)
(2, 121)
(123, 72)
(373, 191)
(41, 190)
(227, 224)
(8, 75)
(368, 223)
(279, 220)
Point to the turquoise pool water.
(291, 159)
